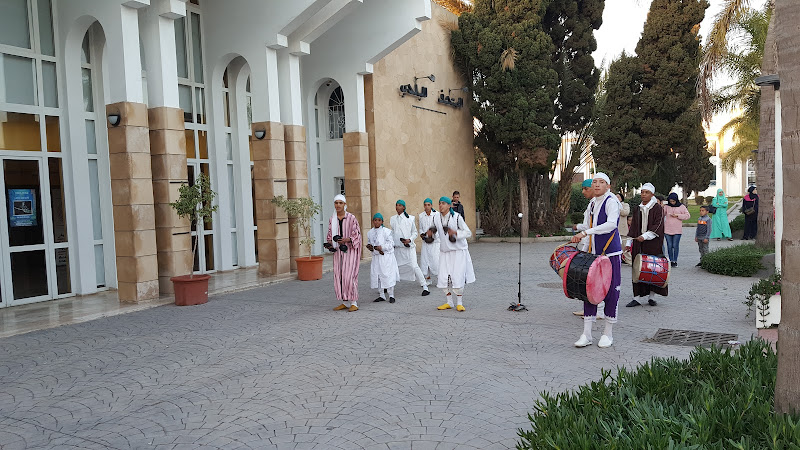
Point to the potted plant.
(302, 210)
(195, 202)
(765, 297)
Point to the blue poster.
(22, 207)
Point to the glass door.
(25, 228)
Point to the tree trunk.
(541, 211)
(765, 161)
(524, 226)
(787, 385)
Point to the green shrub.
(635, 201)
(576, 217)
(699, 200)
(709, 199)
(737, 223)
(737, 261)
(577, 202)
(717, 399)
(759, 295)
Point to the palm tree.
(714, 52)
(742, 62)
(787, 386)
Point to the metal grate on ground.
(549, 285)
(693, 338)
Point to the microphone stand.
(519, 306)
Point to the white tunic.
(383, 270)
(405, 228)
(454, 260)
(429, 256)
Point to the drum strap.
(609, 241)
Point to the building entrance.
(35, 258)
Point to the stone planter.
(772, 317)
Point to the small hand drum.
(587, 277)
(560, 256)
(649, 269)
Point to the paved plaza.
(275, 367)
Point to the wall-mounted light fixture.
(113, 119)
(431, 77)
(260, 134)
(463, 89)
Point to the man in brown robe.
(647, 231)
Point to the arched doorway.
(326, 155)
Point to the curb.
(515, 240)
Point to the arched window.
(336, 114)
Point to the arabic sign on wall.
(22, 208)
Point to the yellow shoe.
(460, 308)
(340, 307)
(353, 308)
(443, 307)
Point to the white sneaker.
(583, 342)
(605, 341)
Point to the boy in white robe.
(383, 273)
(404, 232)
(429, 256)
(455, 264)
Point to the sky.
(623, 21)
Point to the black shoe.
(652, 302)
(730, 239)
(698, 264)
(379, 300)
(391, 299)
(632, 304)
(426, 293)
(674, 264)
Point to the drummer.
(647, 231)
(583, 245)
(604, 240)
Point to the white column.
(124, 60)
(158, 35)
(241, 164)
(778, 181)
(355, 116)
(289, 84)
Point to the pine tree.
(618, 140)
(669, 52)
(503, 50)
(571, 25)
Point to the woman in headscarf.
(674, 214)
(720, 228)
(750, 210)
(344, 239)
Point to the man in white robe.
(383, 272)
(404, 232)
(455, 264)
(429, 256)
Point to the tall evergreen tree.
(617, 134)
(505, 53)
(571, 25)
(669, 52)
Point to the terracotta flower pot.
(190, 290)
(309, 268)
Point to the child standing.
(383, 272)
(703, 231)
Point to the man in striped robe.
(344, 239)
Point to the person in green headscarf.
(720, 228)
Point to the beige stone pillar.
(269, 177)
(296, 182)
(356, 179)
(168, 160)
(132, 199)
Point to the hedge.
(738, 223)
(717, 399)
(738, 261)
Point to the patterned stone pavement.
(275, 367)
